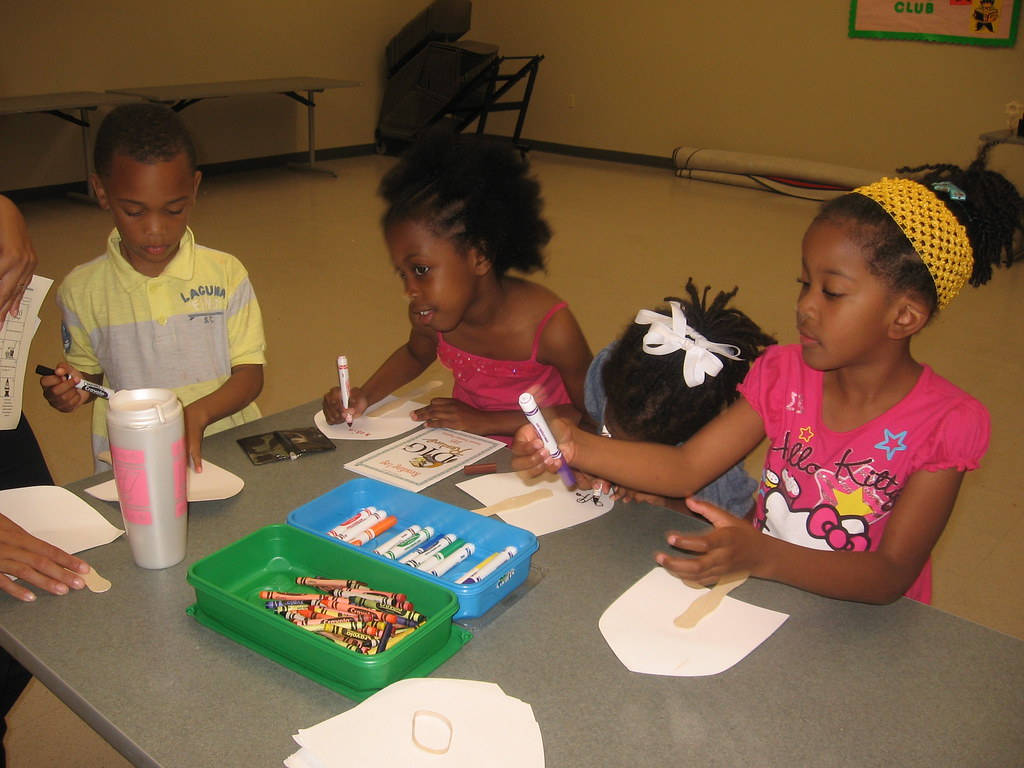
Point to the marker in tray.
(487, 566)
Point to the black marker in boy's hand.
(86, 386)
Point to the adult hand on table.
(35, 562)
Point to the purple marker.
(535, 417)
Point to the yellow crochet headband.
(938, 238)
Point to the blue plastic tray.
(488, 534)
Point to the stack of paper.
(427, 722)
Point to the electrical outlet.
(570, 102)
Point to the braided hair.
(992, 213)
(647, 396)
(473, 191)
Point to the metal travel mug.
(146, 428)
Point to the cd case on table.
(283, 444)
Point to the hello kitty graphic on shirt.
(831, 490)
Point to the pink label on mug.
(133, 484)
(132, 487)
(180, 478)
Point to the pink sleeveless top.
(495, 385)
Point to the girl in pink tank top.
(462, 213)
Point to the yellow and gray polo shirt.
(182, 330)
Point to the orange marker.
(373, 531)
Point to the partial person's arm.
(242, 387)
(402, 366)
(880, 576)
(664, 470)
(33, 561)
(17, 258)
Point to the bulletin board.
(968, 22)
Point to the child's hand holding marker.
(67, 389)
(344, 402)
(546, 446)
(344, 388)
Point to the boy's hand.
(531, 457)
(60, 391)
(194, 427)
(734, 545)
(35, 562)
(335, 413)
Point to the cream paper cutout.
(563, 509)
(640, 631)
(58, 517)
(370, 426)
(487, 728)
(212, 483)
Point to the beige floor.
(625, 237)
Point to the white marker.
(487, 567)
(404, 547)
(453, 559)
(384, 548)
(535, 417)
(415, 559)
(344, 386)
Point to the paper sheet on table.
(638, 627)
(370, 427)
(212, 483)
(57, 516)
(15, 341)
(563, 509)
(487, 728)
(420, 460)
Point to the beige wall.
(648, 75)
(51, 46)
(768, 78)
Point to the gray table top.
(48, 102)
(168, 93)
(838, 684)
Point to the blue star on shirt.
(892, 443)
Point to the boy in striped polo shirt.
(157, 310)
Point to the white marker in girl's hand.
(535, 417)
(344, 386)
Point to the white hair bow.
(700, 356)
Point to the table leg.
(90, 195)
(310, 166)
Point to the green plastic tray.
(227, 585)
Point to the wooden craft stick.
(515, 502)
(95, 582)
(429, 387)
(707, 602)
